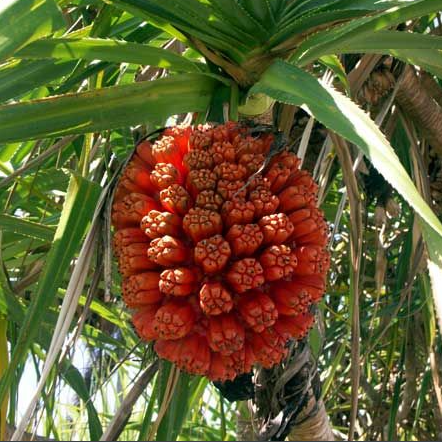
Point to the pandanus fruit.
(221, 248)
(215, 299)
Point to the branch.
(356, 238)
(10, 430)
(120, 419)
(38, 160)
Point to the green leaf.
(308, 23)
(74, 378)
(428, 59)
(96, 338)
(434, 247)
(306, 8)
(22, 21)
(81, 199)
(25, 227)
(70, 374)
(369, 4)
(331, 40)
(117, 51)
(385, 40)
(421, 399)
(139, 34)
(336, 362)
(81, 73)
(292, 85)
(21, 76)
(6, 293)
(259, 9)
(418, 49)
(102, 24)
(233, 12)
(4, 361)
(107, 108)
(157, 21)
(106, 312)
(314, 6)
(395, 403)
(333, 63)
(194, 18)
(173, 420)
(3, 305)
(16, 249)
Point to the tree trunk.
(315, 427)
(10, 430)
(287, 404)
(311, 424)
(421, 107)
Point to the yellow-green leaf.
(22, 21)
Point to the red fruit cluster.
(221, 265)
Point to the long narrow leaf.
(434, 247)
(259, 10)
(76, 381)
(25, 227)
(107, 108)
(292, 85)
(70, 374)
(413, 48)
(4, 360)
(309, 8)
(173, 420)
(21, 76)
(80, 203)
(331, 40)
(3, 299)
(309, 22)
(233, 12)
(384, 40)
(117, 51)
(22, 21)
(369, 4)
(197, 21)
(67, 312)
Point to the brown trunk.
(312, 424)
(421, 107)
(123, 414)
(287, 402)
(315, 427)
(431, 86)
